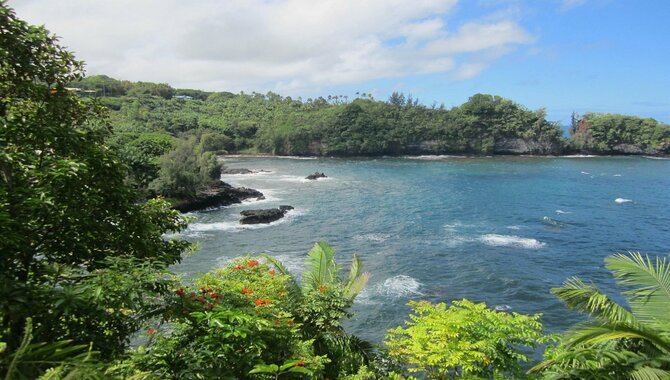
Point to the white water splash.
(622, 200)
(235, 226)
(496, 240)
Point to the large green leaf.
(321, 267)
(649, 296)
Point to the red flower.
(267, 302)
(259, 302)
(180, 292)
(201, 299)
(215, 295)
(192, 296)
(272, 272)
(252, 263)
(289, 322)
(238, 266)
(151, 331)
(322, 289)
(300, 363)
(246, 291)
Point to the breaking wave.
(495, 240)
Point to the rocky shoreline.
(221, 194)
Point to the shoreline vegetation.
(87, 245)
(170, 138)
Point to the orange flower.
(238, 266)
(246, 291)
(267, 302)
(289, 322)
(300, 363)
(272, 272)
(252, 263)
(322, 289)
(151, 331)
(259, 302)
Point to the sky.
(564, 55)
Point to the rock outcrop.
(221, 194)
(264, 215)
(523, 146)
(316, 175)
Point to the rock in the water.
(264, 216)
(220, 194)
(315, 176)
(237, 171)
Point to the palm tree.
(322, 300)
(618, 342)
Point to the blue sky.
(565, 55)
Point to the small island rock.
(315, 176)
(264, 215)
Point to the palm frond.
(293, 287)
(649, 373)
(596, 334)
(321, 268)
(357, 280)
(590, 300)
(650, 296)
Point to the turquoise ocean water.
(499, 230)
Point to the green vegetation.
(464, 340)
(618, 343)
(84, 264)
(607, 133)
(274, 124)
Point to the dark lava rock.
(315, 176)
(237, 171)
(220, 194)
(264, 216)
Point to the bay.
(500, 230)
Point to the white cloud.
(569, 4)
(271, 44)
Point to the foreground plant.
(465, 339)
(81, 259)
(617, 343)
(252, 319)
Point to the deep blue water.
(499, 230)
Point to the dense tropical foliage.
(618, 343)
(608, 133)
(84, 257)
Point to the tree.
(69, 223)
(322, 301)
(186, 170)
(617, 342)
(465, 339)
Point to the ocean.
(500, 230)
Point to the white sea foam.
(235, 226)
(656, 158)
(513, 227)
(376, 237)
(399, 286)
(299, 179)
(434, 157)
(496, 240)
(563, 212)
(579, 156)
(616, 175)
(622, 200)
(587, 173)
